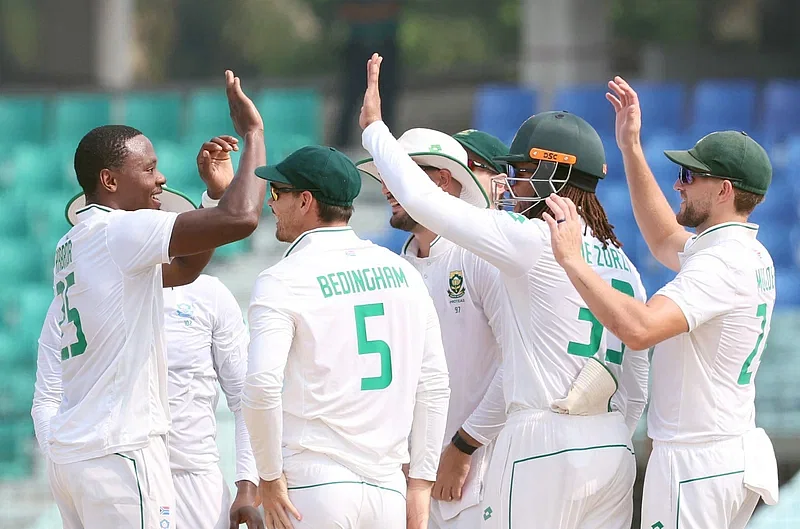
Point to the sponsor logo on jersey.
(456, 282)
(163, 511)
(185, 310)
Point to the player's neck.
(715, 220)
(425, 238)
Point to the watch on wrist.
(462, 445)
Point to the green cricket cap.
(330, 175)
(561, 132)
(731, 155)
(484, 145)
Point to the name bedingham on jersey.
(108, 278)
(704, 388)
(360, 321)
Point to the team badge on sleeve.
(456, 282)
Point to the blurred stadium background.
(65, 67)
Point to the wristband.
(462, 445)
(207, 201)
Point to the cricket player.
(548, 469)
(109, 272)
(481, 149)
(206, 343)
(468, 301)
(347, 378)
(709, 463)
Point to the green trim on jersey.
(411, 238)
(138, 487)
(566, 450)
(315, 230)
(726, 225)
(346, 483)
(678, 507)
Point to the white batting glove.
(590, 393)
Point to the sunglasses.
(276, 192)
(472, 164)
(687, 176)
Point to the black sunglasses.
(687, 176)
(275, 192)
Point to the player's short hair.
(101, 148)
(744, 202)
(330, 214)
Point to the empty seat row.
(769, 115)
(170, 116)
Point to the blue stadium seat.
(501, 109)
(781, 115)
(39, 167)
(157, 114)
(208, 116)
(390, 238)
(178, 163)
(588, 102)
(776, 238)
(663, 107)
(23, 120)
(77, 114)
(787, 284)
(724, 105)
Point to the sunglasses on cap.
(275, 192)
(687, 176)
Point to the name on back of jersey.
(63, 255)
(608, 257)
(361, 280)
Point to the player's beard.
(692, 215)
(403, 221)
(282, 233)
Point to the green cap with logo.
(731, 155)
(560, 132)
(484, 145)
(330, 175)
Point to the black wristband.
(462, 445)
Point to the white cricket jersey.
(107, 275)
(206, 344)
(704, 379)
(347, 331)
(549, 333)
(468, 298)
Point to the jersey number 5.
(366, 347)
(591, 348)
(70, 315)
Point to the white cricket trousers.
(697, 486)
(330, 496)
(465, 513)
(127, 490)
(202, 500)
(552, 471)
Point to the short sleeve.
(140, 239)
(704, 288)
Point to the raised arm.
(47, 392)
(237, 213)
(656, 220)
(499, 237)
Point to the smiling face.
(697, 199)
(136, 183)
(400, 219)
(286, 205)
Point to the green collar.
(94, 206)
(411, 247)
(306, 237)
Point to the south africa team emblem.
(456, 282)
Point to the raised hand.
(629, 114)
(214, 164)
(565, 229)
(371, 110)
(244, 113)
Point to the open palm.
(629, 114)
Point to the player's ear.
(108, 181)
(306, 201)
